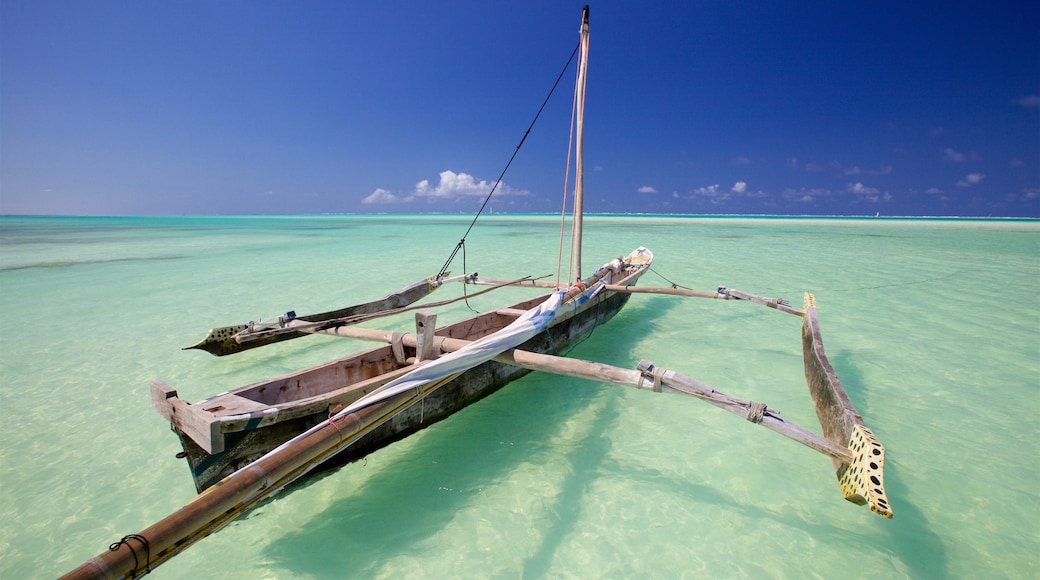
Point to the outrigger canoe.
(226, 432)
(246, 444)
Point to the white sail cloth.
(479, 351)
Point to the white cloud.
(646, 189)
(870, 194)
(950, 155)
(741, 161)
(451, 186)
(971, 179)
(813, 167)
(712, 192)
(933, 190)
(862, 189)
(1028, 101)
(383, 196)
(804, 195)
(1016, 163)
(717, 194)
(855, 170)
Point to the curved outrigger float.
(245, 445)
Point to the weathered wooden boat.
(231, 430)
(245, 445)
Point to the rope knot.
(147, 551)
(332, 412)
(755, 412)
(649, 372)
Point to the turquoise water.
(933, 326)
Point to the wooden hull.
(242, 426)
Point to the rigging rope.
(494, 188)
(674, 285)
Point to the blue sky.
(808, 108)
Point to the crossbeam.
(668, 381)
(722, 293)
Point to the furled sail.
(480, 351)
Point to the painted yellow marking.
(863, 482)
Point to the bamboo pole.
(220, 504)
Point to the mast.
(579, 177)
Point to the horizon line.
(595, 214)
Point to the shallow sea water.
(932, 325)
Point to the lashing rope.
(332, 413)
(755, 412)
(147, 551)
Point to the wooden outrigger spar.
(243, 446)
